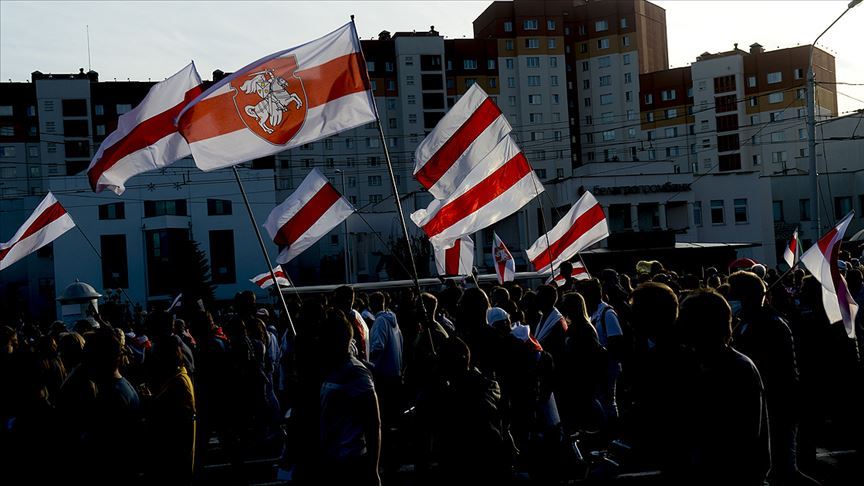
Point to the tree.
(193, 274)
(398, 262)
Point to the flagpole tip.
(352, 17)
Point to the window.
(511, 100)
(533, 61)
(372, 142)
(468, 83)
(112, 211)
(222, 256)
(740, 210)
(218, 207)
(511, 82)
(557, 135)
(649, 99)
(372, 161)
(508, 26)
(533, 80)
(606, 117)
(374, 198)
(757, 159)
(115, 271)
(842, 206)
(724, 84)
(556, 99)
(587, 102)
(550, 25)
(777, 207)
(804, 209)
(388, 66)
(553, 80)
(775, 98)
(535, 117)
(374, 180)
(726, 143)
(169, 207)
(604, 62)
(606, 99)
(718, 214)
(409, 80)
(7, 151)
(671, 151)
(801, 94)
(774, 78)
(626, 59)
(508, 45)
(33, 152)
(532, 43)
(608, 135)
(553, 62)
(603, 43)
(649, 117)
(123, 108)
(586, 84)
(777, 137)
(779, 157)
(490, 64)
(370, 66)
(754, 101)
(667, 94)
(671, 132)
(727, 123)
(536, 136)
(625, 41)
(754, 119)
(601, 25)
(469, 64)
(409, 60)
(776, 116)
(802, 134)
(631, 133)
(628, 96)
(530, 24)
(605, 80)
(508, 63)
(671, 113)
(628, 78)
(534, 99)
(697, 213)
(7, 131)
(550, 43)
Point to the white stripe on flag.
(456, 258)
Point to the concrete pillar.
(634, 217)
(661, 209)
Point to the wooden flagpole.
(264, 253)
(545, 226)
(398, 202)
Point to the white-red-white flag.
(497, 187)
(791, 254)
(309, 213)
(463, 137)
(265, 280)
(284, 100)
(456, 258)
(579, 273)
(505, 265)
(582, 226)
(821, 261)
(146, 137)
(48, 221)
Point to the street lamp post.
(345, 243)
(811, 128)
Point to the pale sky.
(140, 40)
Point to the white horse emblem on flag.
(275, 98)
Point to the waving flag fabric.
(791, 253)
(496, 188)
(309, 213)
(821, 260)
(48, 221)
(456, 258)
(463, 137)
(265, 280)
(284, 100)
(582, 226)
(579, 273)
(505, 265)
(146, 137)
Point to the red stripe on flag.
(268, 278)
(825, 243)
(480, 195)
(451, 258)
(583, 224)
(51, 214)
(308, 215)
(455, 146)
(143, 135)
(332, 80)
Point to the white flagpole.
(264, 253)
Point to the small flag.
(48, 221)
(463, 137)
(791, 254)
(176, 303)
(456, 258)
(146, 137)
(282, 101)
(497, 187)
(309, 213)
(582, 226)
(821, 260)
(265, 280)
(505, 265)
(579, 273)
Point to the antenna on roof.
(88, 48)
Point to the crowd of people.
(726, 378)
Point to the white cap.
(496, 314)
